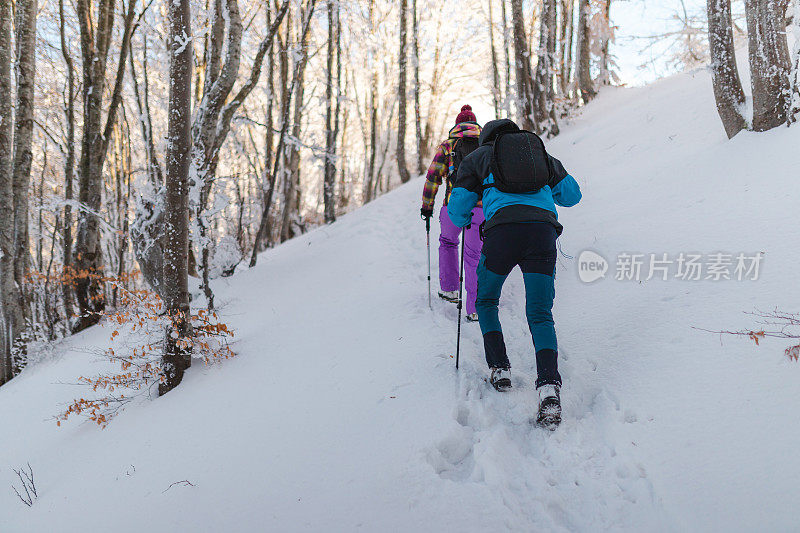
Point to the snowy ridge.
(343, 410)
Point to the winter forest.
(297, 112)
(190, 186)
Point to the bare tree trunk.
(552, 74)
(417, 114)
(218, 82)
(770, 63)
(291, 192)
(154, 173)
(291, 189)
(565, 47)
(495, 74)
(373, 138)
(176, 251)
(401, 96)
(794, 77)
(329, 185)
(39, 237)
(269, 136)
(264, 229)
(523, 69)
(584, 74)
(281, 165)
(605, 41)
(96, 33)
(10, 312)
(50, 310)
(26, 11)
(123, 200)
(507, 51)
(215, 111)
(727, 86)
(264, 226)
(267, 179)
(338, 111)
(69, 165)
(373, 114)
(344, 190)
(544, 92)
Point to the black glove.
(426, 213)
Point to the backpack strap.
(494, 168)
(451, 156)
(485, 185)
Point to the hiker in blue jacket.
(521, 228)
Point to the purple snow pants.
(449, 259)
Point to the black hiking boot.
(549, 416)
(500, 379)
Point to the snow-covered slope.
(343, 410)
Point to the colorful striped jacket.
(442, 163)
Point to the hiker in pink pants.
(460, 142)
(448, 258)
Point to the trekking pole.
(428, 231)
(460, 302)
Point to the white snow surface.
(343, 410)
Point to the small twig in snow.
(184, 482)
(28, 485)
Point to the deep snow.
(342, 410)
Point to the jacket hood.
(492, 128)
(465, 129)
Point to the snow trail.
(343, 410)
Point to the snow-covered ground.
(343, 410)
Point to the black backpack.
(461, 149)
(520, 163)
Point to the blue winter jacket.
(502, 207)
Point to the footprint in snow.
(577, 478)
